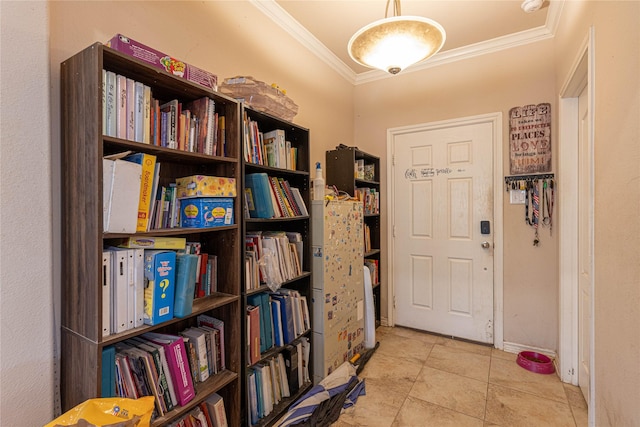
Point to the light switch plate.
(517, 197)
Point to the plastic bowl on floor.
(535, 362)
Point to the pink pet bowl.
(535, 362)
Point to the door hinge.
(393, 159)
(394, 230)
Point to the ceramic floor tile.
(574, 396)
(377, 408)
(500, 354)
(397, 373)
(418, 335)
(513, 408)
(408, 348)
(416, 412)
(509, 374)
(459, 362)
(467, 346)
(451, 391)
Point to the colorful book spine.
(159, 286)
(148, 163)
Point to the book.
(148, 164)
(119, 278)
(159, 289)
(178, 366)
(278, 334)
(213, 322)
(185, 284)
(150, 242)
(106, 293)
(192, 359)
(197, 337)
(162, 367)
(138, 115)
(110, 125)
(121, 194)
(171, 123)
(259, 189)
(131, 109)
(253, 318)
(146, 125)
(286, 314)
(215, 404)
(121, 106)
(278, 137)
(107, 379)
(256, 300)
(138, 286)
(290, 354)
(284, 380)
(252, 397)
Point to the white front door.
(443, 263)
(585, 244)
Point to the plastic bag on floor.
(108, 412)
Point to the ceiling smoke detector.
(531, 5)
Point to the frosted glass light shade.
(392, 44)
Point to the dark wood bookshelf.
(340, 170)
(299, 178)
(83, 147)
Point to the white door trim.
(581, 73)
(498, 189)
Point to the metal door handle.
(486, 245)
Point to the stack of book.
(269, 148)
(370, 197)
(165, 366)
(373, 269)
(210, 413)
(279, 253)
(277, 378)
(131, 112)
(272, 197)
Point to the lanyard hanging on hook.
(536, 211)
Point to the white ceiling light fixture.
(393, 44)
(531, 5)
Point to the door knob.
(486, 245)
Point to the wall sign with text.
(530, 139)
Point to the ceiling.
(473, 27)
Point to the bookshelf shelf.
(342, 171)
(297, 176)
(83, 148)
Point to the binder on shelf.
(121, 193)
(258, 191)
(119, 282)
(106, 293)
(145, 204)
(138, 280)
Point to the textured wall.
(616, 28)
(26, 308)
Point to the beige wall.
(228, 38)
(617, 197)
(487, 84)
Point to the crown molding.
(276, 13)
(282, 18)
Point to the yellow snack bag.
(108, 412)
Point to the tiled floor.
(419, 379)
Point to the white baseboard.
(511, 347)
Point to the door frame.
(581, 74)
(495, 119)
